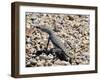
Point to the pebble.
(58, 62)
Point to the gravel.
(72, 29)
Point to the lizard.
(56, 41)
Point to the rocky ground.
(71, 28)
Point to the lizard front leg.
(47, 45)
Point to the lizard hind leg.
(60, 54)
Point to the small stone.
(50, 56)
(58, 62)
(65, 63)
(37, 58)
(28, 63)
(33, 61)
(40, 63)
